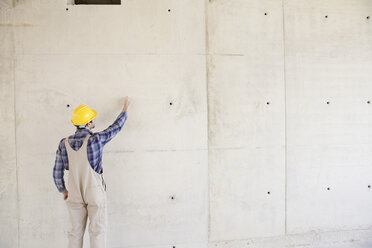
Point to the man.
(85, 194)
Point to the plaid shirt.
(94, 148)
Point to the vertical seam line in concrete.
(285, 119)
(207, 96)
(15, 128)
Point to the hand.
(65, 195)
(126, 104)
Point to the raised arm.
(110, 132)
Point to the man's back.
(94, 148)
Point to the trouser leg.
(78, 219)
(98, 224)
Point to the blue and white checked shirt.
(94, 148)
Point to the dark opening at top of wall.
(97, 1)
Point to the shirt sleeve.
(58, 170)
(110, 132)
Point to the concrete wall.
(254, 115)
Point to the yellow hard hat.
(82, 115)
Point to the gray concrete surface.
(255, 116)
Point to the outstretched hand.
(126, 104)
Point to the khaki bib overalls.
(86, 198)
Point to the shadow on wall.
(97, 1)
